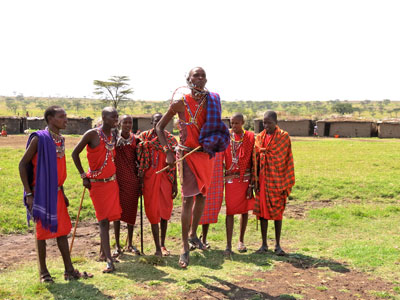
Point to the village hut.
(346, 128)
(14, 124)
(296, 127)
(389, 129)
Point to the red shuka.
(128, 181)
(63, 220)
(199, 164)
(104, 195)
(236, 188)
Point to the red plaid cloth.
(215, 193)
(273, 157)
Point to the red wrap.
(236, 188)
(104, 195)
(63, 220)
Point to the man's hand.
(66, 200)
(174, 190)
(170, 159)
(86, 183)
(29, 202)
(250, 192)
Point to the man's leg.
(41, 246)
(229, 221)
(278, 229)
(164, 227)
(105, 244)
(204, 233)
(62, 243)
(186, 218)
(243, 225)
(264, 229)
(117, 230)
(156, 236)
(130, 236)
(197, 213)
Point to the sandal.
(228, 252)
(262, 250)
(46, 278)
(184, 260)
(117, 252)
(278, 251)
(75, 274)
(133, 249)
(242, 248)
(109, 268)
(165, 251)
(195, 243)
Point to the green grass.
(359, 229)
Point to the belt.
(188, 149)
(112, 178)
(58, 188)
(230, 177)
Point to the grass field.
(348, 189)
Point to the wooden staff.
(179, 160)
(77, 220)
(141, 222)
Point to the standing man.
(128, 182)
(100, 178)
(159, 190)
(43, 171)
(200, 124)
(274, 177)
(238, 190)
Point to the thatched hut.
(347, 128)
(299, 127)
(389, 129)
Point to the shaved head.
(107, 110)
(238, 116)
(192, 70)
(270, 114)
(125, 117)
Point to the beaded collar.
(123, 141)
(58, 138)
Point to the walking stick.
(141, 222)
(77, 220)
(179, 160)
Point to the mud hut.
(347, 128)
(14, 124)
(299, 127)
(389, 129)
(143, 123)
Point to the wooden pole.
(77, 221)
(179, 160)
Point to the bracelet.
(28, 194)
(251, 185)
(83, 175)
(166, 149)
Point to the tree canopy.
(115, 90)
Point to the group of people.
(209, 159)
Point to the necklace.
(193, 117)
(58, 139)
(110, 142)
(109, 145)
(124, 142)
(235, 145)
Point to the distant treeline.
(83, 107)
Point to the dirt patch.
(19, 141)
(298, 210)
(289, 281)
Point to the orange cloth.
(63, 220)
(157, 188)
(104, 195)
(236, 189)
(199, 162)
(273, 157)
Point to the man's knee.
(104, 223)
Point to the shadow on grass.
(77, 289)
(297, 260)
(229, 290)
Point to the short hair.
(238, 115)
(51, 111)
(190, 72)
(124, 117)
(271, 114)
(107, 110)
(153, 115)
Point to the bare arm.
(175, 107)
(25, 160)
(89, 138)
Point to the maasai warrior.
(3, 130)
(43, 172)
(199, 124)
(128, 182)
(159, 190)
(274, 177)
(238, 190)
(101, 178)
(215, 196)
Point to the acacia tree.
(115, 90)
